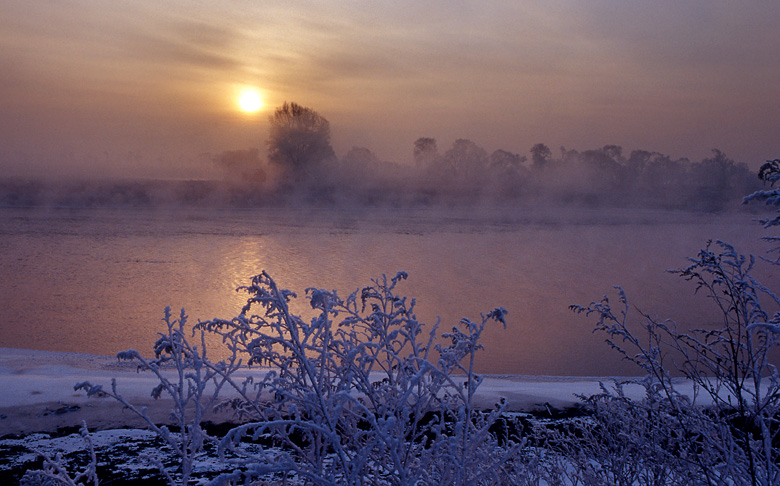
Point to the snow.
(37, 391)
(37, 401)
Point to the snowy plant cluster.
(727, 431)
(769, 172)
(364, 393)
(360, 394)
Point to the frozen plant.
(623, 441)
(55, 472)
(360, 394)
(769, 173)
(728, 428)
(192, 383)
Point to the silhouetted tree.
(718, 179)
(299, 139)
(435, 171)
(633, 172)
(504, 161)
(508, 175)
(242, 165)
(605, 172)
(468, 159)
(358, 170)
(638, 160)
(358, 160)
(540, 155)
(568, 156)
(614, 152)
(425, 151)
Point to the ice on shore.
(38, 395)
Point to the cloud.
(183, 43)
(700, 34)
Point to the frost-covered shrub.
(191, 382)
(769, 173)
(55, 472)
(726, 428)
(362, 393)
(623, 441)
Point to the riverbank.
(38, 395)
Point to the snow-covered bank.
(533, 448)
(37, 391)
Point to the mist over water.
(464, 176)
(97, 280)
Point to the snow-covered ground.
(37, 395)
(40, 411)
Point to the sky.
(149, 89)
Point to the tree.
(717, 179)
(468, 159)
(507, 174)
(614, 152)
(358, 160)
(241, 165)
(299, 139)
(506, 162)
(425, 151)
(358, 171)
(437, 172)
(540, 155)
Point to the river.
(96, 281)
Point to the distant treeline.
(467, 174)
(301, 168)
(463, 175)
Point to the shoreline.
(38, 394)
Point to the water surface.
(97, 281)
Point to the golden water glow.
(250, 101)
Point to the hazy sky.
(149, 87)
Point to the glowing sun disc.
(250, 101)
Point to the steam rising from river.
(463, 176)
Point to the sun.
(249, 101)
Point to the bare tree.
(299, 139)
(468, 159)
(503, 161)
(242, 165)
(540, 155)
(425, 151)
